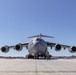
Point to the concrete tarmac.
(37, 67)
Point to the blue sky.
(22, 18)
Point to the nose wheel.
(36, 56)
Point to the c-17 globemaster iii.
(37, 47)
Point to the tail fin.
(41, 36)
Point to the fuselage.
(37, 45)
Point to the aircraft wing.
(59, 46)
(53, 44)
(23, 45)
(17, 47)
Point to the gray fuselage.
(37, 45)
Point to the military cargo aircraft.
(37, 47)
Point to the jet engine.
(5, 49)
(72, 49)
(57, 47)
(18, 47)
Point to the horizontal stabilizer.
(41, 36)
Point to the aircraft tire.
(36, 56)
(45, 57)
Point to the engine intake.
(57, 47)
(72, 49)
(18, 47)
(5, 49)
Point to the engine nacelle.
(57, 47)
(72, 49)
(18, 47)
(5, 49)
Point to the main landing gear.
(29, 56)
(39, 56)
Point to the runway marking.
(38, 71)
(36, 67)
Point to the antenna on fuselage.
(41, 36)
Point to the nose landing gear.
(36, 56)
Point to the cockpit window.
(39, 40)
